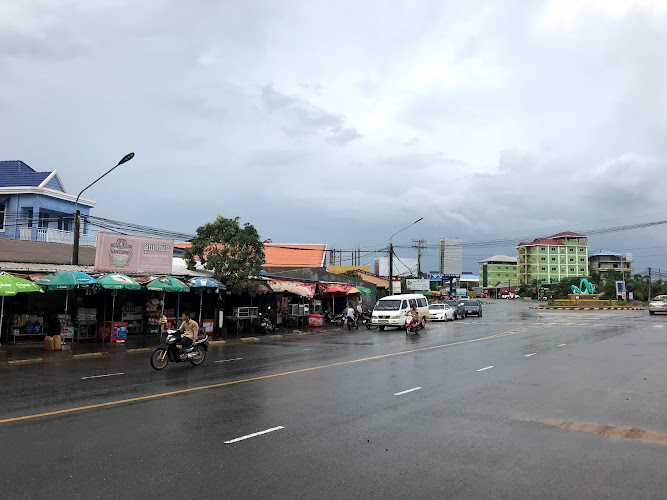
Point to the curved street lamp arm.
(415, 222)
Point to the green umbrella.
(167, 284)
(115, 281)
(363, 289)
(66, 280)
(10, 286)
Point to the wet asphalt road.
(342, 422)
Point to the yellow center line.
(514, 331)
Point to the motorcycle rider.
(350, 314)
(415, 313)
(190, 330)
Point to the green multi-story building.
(497, 269)
(548, 260)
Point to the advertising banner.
(415, 284)
(133, 254)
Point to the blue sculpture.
(584, 287)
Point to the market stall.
(10, 286)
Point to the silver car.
(473, 306)
(657, 305)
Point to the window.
(422, 302)
(543, 249)
(615, 266)
(404, 304)
(553, 249)
(2, 216)
(582, 270)
(553, 259)
(30, 215)
(571, 259)
(571, 249)
(581, 260)
(544, 269)
(543, 259)
(413, 302)
(43, 219)
(582, 250)
(572, 269)
(553, 269)
(543, 280)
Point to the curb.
(134, 350)
(556, 308)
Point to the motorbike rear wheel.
(200, 356)
(159, 359)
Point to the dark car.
(473, 307)
(458, 306)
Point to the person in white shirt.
(350, 313)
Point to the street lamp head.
(126, 158)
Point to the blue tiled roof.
(18, 174)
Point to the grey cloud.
(299, 118)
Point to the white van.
(391, 310)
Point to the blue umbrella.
(202, 282)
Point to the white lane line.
(531, 354)
(560, 345)
(487, 368)
(255, 434)
(658, 326)
(409, 390)
(225, 360)
(99, 376)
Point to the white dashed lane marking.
(487, 368)
(255, 434)
(409, 390)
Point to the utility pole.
(419, 245)
(391, 269)
(649, 284)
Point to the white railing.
(57, 236)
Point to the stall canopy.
(290, 286)
(331, 288)
(167, 284)
(363, 290)
(115, 281)
(204, 282)
(9, 286)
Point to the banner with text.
(415, 284)
(133, 254)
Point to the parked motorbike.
(164, 353)
(339, 319)
(365, 319)
(352, 323)
(265, 324)
(412, 324)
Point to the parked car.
(657, 305)
(458, 306)
(473, 306)
(441, 312)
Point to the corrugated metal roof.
(501, 258)
(604, 252)
(18, 174)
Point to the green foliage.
(352, 274)
(233, 253)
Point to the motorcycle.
(352, 323)
(365, 320)
(339, 319)
(412, 324)
(265, 324)
(164, 353)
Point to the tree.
(352, 274)
(234, 253)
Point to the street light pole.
(391, 256)
(77, 215)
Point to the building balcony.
(56, 236)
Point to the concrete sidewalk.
(33, 352)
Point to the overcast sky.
(342, 122)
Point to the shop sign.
(133, 254)
(414, 284)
